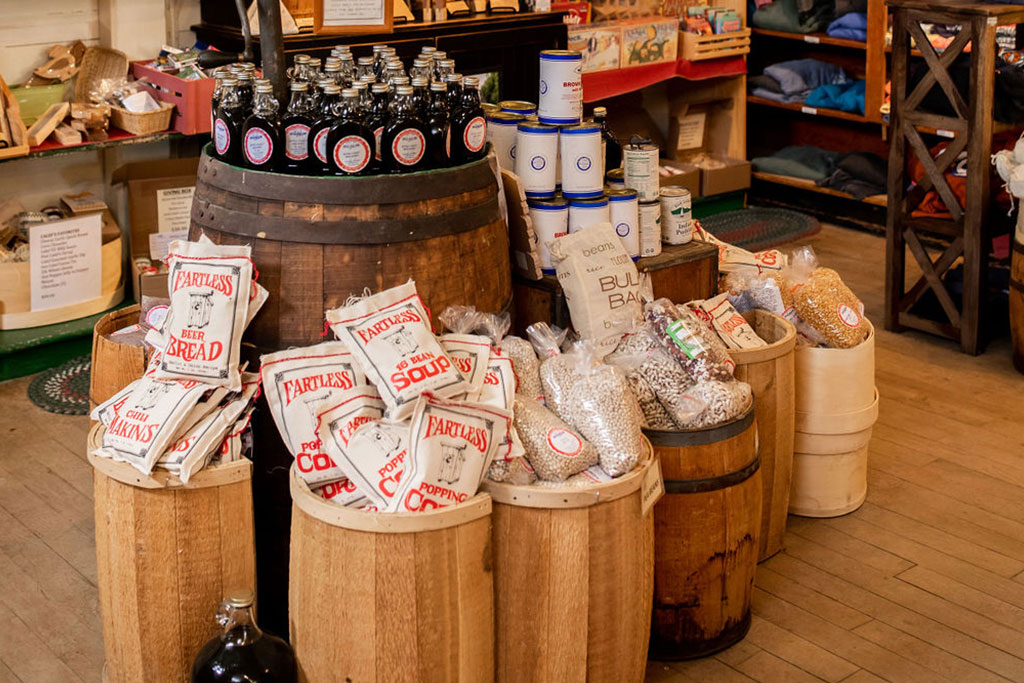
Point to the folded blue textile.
(844, 97)
(802, 75)
(777, 96)
(853, 26)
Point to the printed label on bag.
(258, 146)
(408, 147)
(221, 136)
(564, 442)
(320, 145)
(296, 141)
(351, 154)
(848, 316)
(475, 134)
(687, 341)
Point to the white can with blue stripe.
(582, 172)
(624, 211)
(561, 87)
(536, 152)
(586, 212)
(502, 128)
(550, 219)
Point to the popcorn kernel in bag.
(389, 334)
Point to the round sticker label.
(475, 134)
(538, 163)
(296, 141)
(848, 316)
(512, 152)
(564, 442)
(584, 163)
(622, 229)
(320, 145)
(155, 316)
(258, 146)
(408, 147)
(376, 142)
(543, 87)
(351, 154)
(221, 136)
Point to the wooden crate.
(696, 48)
(681, 272)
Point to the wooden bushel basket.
(391, 596)
(769, 372)
(573, 575)
(167, 553)
(114, 366)
(705, 538)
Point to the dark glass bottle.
(364, 68)
(295, 125)
(350, 142)
(246, 90)
(319, 163)
(469, 128)
(454, 82)
(218, 89)
(228, 122)
(243, 652)
(611, 147)
(332, 70)
(261, 139)
(404, 141)
(377, 117)
(421, 96)
(438, 130)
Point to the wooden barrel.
(317, 241)
(769, 372)
(167, 554)
(114, 366)
(391, 597)
(836, 407)
(1017, 301)
(705, 538)
(573, 580)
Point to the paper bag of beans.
(731, 327)
(732, 258)
(601, 284)
(335, 421)
(689, 341)
(451, 446)
(554, 449)
(296, 381)
(524, 358)
(499, 390)
(828, 305)
(389, 334)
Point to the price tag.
(809, 110)
(942, 133)
(653, 487)
(813, 40)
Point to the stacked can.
(550, 218)
(640, 170)
(579, 149)
(615, 179)
(561, 87)
(650, 229)
(535, 152)
(501, 133)
(624, 212)
(586, 212)
(676, 215)
(520, 107)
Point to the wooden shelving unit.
(810, 111)
(804, 184)
(812, 38)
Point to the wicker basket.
(143, 123)
(98, 63)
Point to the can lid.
(623, 195)
(651, 205)
(531, 127)
(616, 173)
(581, 129)
(553, 204)
(674, 191)
(505, 117)
(600, 111)
(589, 203)
(517, 105)
(241, 597)
(561, 55)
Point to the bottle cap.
(332, 62)
(314, 62)
(438, 86)
(600, 111)
(229, 81)
(428, 50)
(301, 59)
(403, 90)
(378, 88)
(324, 82)
(249, 67)
(299, 86)
(241, 597)
(421, 62)
(264, 88)
(419, 82)
(342, 49)
(379, 46)
(444, 62)
(331, 88)
(471, 82)
(440, 54)
(350, 93)
(365, 61)
(368, 80)
(453, 78)
(400, 80)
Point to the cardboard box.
(686, 176)
(649, 41)
(159, 206)
(600, 45)
(733, 177)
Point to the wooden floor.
(924, 583)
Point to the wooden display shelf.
(810, 111)
(117, 138)
(812, 38)
(804, 184)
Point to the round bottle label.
(221, 136)
(258, 146)
(564, 442)
(475, 134)
(538, 163)
(512, 152)
(296, 141)
(622, 229)
(320, 145)
(848, 316)
(351, 154)
(376, 142)
(584, 163)
(155, 316)
(408, 147)
(543, 87)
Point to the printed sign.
(65, 262)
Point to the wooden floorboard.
(924, 583)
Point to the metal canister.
(561, 87)
(518, 107)
(579, 148)
(624, 212)
(615, 179)
(535, 153)
(676, 215)
(550, 218)
(489, 108)
(640, 170)
(501, 133)
(586, 212)
(650, 229)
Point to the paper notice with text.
(354, 12)
(65, 262)
(174, 208)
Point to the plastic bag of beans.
(515, 471)
(825, 303)
(524, 358)
(554, 449)
(689, 341)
